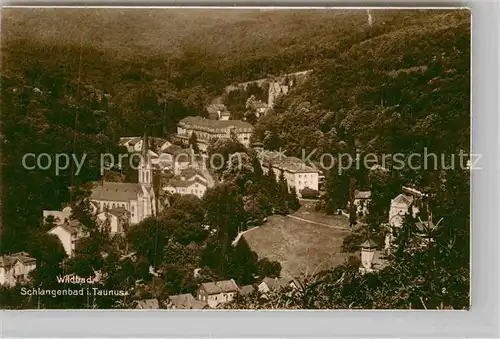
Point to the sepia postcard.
(235, 158)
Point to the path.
(238, 237)
(318, 223)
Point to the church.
(138, 199)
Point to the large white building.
(297, 174)
(207, 129)
(136, 198)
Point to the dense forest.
(401, 84)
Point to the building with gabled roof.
(217, 292)
(194, 186)
(191, 174)
(15, 268)
(410, 201)
(185, 302)
(216, 111)
(270, 284)
(247, 289)
(148, 304)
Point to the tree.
(282, 197)
(193, 142)
(148, 238)
(46, 248)
(309, 193)
(219, 152)
(269, 268)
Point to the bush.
(309, 193)
(352, 242)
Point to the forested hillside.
(399, 85)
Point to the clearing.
(305, 243)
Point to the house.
(172, 158)
(148, 304)
(69, 233)
(270, 284)
(247, 289)
(256, 106)
(185, 302)
(410, 201)
(195, 186)
(218, 111)
(136, 198)
(207, 129)
(297, 174)
(155, 145)
(218, 292)
(192, 174)
(371, 259)
(361, 201)
(114, 218)
(130, 143)
(15, 268)
(158, 145)
(59, 217)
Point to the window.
(132, 209)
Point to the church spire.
(145, 171)
(145, 145)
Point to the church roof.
(115, 191)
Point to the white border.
(480, 322)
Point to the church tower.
(146, 199)
(145, 168)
